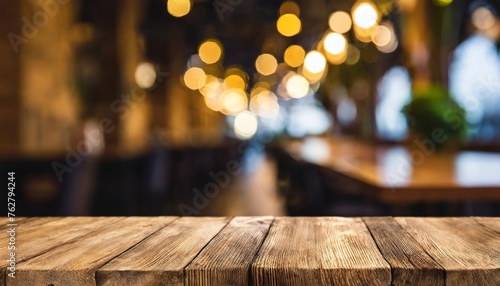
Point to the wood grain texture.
(319, 251)
(75, 262)
(410, 264)
(226, 260)
(492, 223)
(468, 251)
(33, 236)
(162, 258)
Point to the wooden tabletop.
(406, 174)
(254, 251)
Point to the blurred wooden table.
(396, 174)
(254, 251)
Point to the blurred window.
(475, 84)
(394, 92)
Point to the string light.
(178, 8)
(210, 51)
(289, 25)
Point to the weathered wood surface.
(228, 257)
(410, 264)
(468, 252)
(320, 251)
(161, 259)
(255, 251)
(75, 262)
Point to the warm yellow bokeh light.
(194, 78)
(443, 2)
(266, 64)
(234, 81)
(294, 55)
(290, 7)
(335, 43)
(340, 22)
(178, 8)
(145, 75)
(311, 77)
(210, 51)
(384, 38)
(297, 86)
(289, 25)
(365, 15)
(212, 84)
(265, 104)
(235, 101)
(215, 101)
(363, 35)
(245, 125)
(381, 36)
(314, 62)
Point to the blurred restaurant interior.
(251, 107)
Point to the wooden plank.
(410, 264)
(75, 262)
(25, 226)
(468, 252)
(226, 260)
(320, 251)
(161, 259)
(492, 223)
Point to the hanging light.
(178, 8)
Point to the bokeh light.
(335, 43)
(297, 86)
(194, 61)
(264, 103)
(145, 75)
(346, 111)
(340, 22)
(294, 55)
(290, 7)
(314, 62)
(210, 51)
(381, 36)
(289, 25)
(443, 2)
(234, 81)
(235, 101)
(384, 37)
(194, 78)
(365, 15)
(178, 8)
(211, 83)
(245, 125)
(266, 64)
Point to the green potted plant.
(433, 113)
